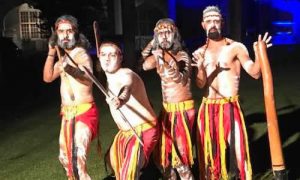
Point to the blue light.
(284, 33)
(284, 23)
(172, 9)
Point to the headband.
(163, 25)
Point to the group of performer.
(219, 129)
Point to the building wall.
(11, 29)
(11, 26)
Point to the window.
(30, 25)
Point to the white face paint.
(109, 58)
(165, 38)
(212, 22)
(66, 35)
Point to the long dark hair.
(81, 40)
(178, 44)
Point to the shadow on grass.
(259, 148)
(290, 138)
(150, 172)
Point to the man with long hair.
(79, 124)
(165, 53)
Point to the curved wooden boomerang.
(97, 36)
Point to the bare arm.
(77, 71)
(149, 60)
(179, 71)
(127, 83)
(201, 77)
(253, 68)
(124, 93)
(51, 70)
(149, 63)
(250, 66)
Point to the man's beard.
(66, 45)
(214, 35)
(165, 45)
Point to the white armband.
(248, 64)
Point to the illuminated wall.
(285, 21)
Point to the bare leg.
(238, 145)
(241, 162)
(64, 148)
(238, 149)
(169, 174)
(185, 172)
(83, 138)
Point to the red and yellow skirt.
(220, 124)
(175, 145)
(127, 155)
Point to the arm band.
(248, 64)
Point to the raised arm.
(252, 67)
(76, 70)
(149, 61)
(51, 70)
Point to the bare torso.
(82, 93)
(172, 91)
(137, 109)
(222, 68)
(175, 92)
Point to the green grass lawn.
(29, 135)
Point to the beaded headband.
(165, 25)
(65, 21)
(212, 11)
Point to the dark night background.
(23, 91)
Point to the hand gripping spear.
(272, 123)
(99, 85)
(102, 89)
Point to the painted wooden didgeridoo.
(278, 165)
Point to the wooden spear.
(99, 85)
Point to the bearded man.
(165, 53)
(220, 121)
(79, 124)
